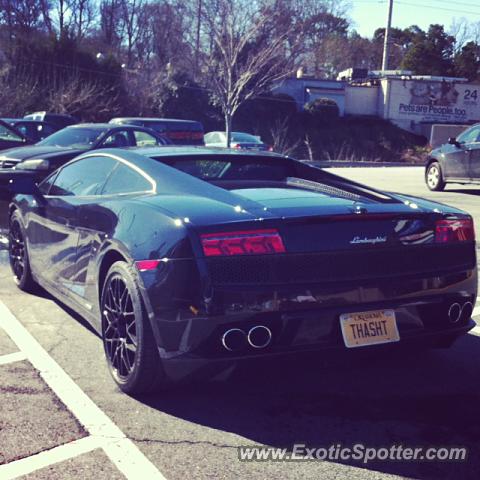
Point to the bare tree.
(245, 58)
(133, 18)
(83, 99)
(281, 142)
(83, 16)
(18, 92)
(111, 23)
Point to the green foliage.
(431, 53)
(467, 61)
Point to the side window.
(126, 180)
(117, 140)
(144, 139)
(7, 134)
(84, 177)
(470, 136)
(23, 129)
(46, 184)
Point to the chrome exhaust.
(455, 312)
(259, 336)
(467, 310)
(234, 339)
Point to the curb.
(348, 164)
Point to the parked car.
(60, 120)
(239, 140)
(457, 161)
(33, 130)
(180, 132)
(10, 137)
(190, 261)
(62, 146)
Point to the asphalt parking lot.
(61, 415)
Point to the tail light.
(146, 265)
(454, 230)
(236, 145)
(270, 148)
(248, 242)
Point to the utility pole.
(386, 43)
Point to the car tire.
(18, 254)
(434, 177)
(129, 344)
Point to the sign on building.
(433, 101)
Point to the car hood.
(37, 151)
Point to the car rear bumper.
(188, 366)
(195, 344)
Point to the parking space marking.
(475, 331)
(12, 357)
(122, 451)
(46, 458)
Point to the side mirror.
(453, 141)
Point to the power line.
(474, 5)
(419, 5)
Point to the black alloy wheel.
(128, 340)
(18, 254)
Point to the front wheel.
(434, 177)
(128, 340)
(18, 254)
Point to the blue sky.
(367, 15)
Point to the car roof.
(109, 126)
(154, 119)
(98, 126)
(182, 151)
(233, 133)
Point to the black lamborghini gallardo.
(190, 260)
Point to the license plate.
(369, 328)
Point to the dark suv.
(180, 132)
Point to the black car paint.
(190, 300)
(56, 156)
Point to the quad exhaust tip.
(467, 310)
(236, 339)
(455, 312)
(259, 336)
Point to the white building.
(412, 102)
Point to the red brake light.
(236, 145)
(145, 265)
(458, 230)
(248, 242)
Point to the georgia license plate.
(369, 328)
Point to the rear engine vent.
(328, 267)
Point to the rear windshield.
(244, 138)
(233, 168)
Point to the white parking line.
(12, 357)
(121, 451)
(49, 457)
